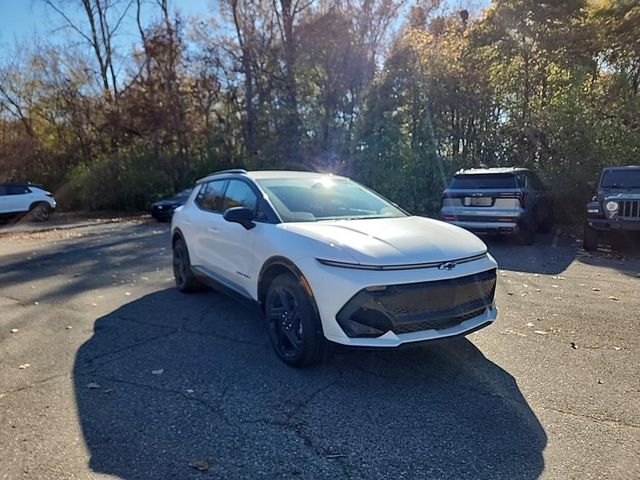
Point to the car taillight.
(519, 195)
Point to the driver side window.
(239, 194)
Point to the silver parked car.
(499, 201)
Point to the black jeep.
(616, 205)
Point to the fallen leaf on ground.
(188, 390)
(595, 289)
(23, 366)
(541, 332)
(616, 348)
(574, 346)
(530, 324)
(202, 465)
(68, 327)
(160, 371)
(14, 330)
(611, 297)
(93, 385)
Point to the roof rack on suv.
(231, 170)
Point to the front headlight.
(611, 206)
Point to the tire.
(527, 235)
(186, 282)
(40, 212)
(547, 225)
(293, 323)
(590, 238)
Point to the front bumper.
(335, 288)
(162, 215)
(613, 224)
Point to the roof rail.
(231, 170)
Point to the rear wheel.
(185, 280)
(294, 326)
(590, 238)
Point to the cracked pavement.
(124, 377)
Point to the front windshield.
(325, 198)
(621, 179)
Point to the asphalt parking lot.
(106, 371)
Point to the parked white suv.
(26, 198)
(328, 260)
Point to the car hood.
(619, 193)
(394, 241)
(167, 203)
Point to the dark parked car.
(499, 201)
(616, 205)
(163, 210)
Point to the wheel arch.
(175, 236)
(275, 266)
(35, 203)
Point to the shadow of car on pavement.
(187, 386)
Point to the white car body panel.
(230, 251)
(21, 203)
(389, 241)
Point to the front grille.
(439, 299)
(418, 306)
(629, 209)
(437, 324)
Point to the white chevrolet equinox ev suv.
(329, 262)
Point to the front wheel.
(40, 212)
(590, 239)
(294, 326)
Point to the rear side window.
(3, 190)
(485, 182)
(211, 195)
(239, 194)
(17, 189)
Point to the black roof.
(20, 184)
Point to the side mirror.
(241, 215)
(591, 185)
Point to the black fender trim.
(284, 262)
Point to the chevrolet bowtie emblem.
(447, 266)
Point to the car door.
(16, 198)
(204, 221)
(234, 243)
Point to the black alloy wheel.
(185, 280)
(40, 212)
(294, 327)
